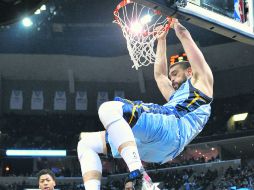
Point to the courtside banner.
(81, 101)
(119, 93)
(16, 100)
(60, 100)
(37, 100)
(101, 98)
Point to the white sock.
(92, 184)
(131, 158)
(119, 133)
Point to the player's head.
(179, 70)
(128, 185)
(46, 179)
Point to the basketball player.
(46, 179)
(153, 133)
(128, 185)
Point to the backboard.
(231, 18)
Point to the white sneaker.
(147, 183)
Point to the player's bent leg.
(120, 133)
(89, 146)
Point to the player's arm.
(202, 73)
(161, 67)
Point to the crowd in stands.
(186, 179)
(182, 162)
(110, 166)
(45, 131)
(239, 178)
(176, 178)
(190, 180)
(61, 131)
(52, 131)
(201, 181)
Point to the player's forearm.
(193, 52)
(181, 32)
(160, 66)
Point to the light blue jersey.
(162, 132)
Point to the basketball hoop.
(138, 24)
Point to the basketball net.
(138, 24)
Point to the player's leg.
(122, 138)
(89, 146)
(120, 133)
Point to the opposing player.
(46, 179)
(154, 133)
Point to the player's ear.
(189, 71)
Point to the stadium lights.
(136, 27)
(146, 19)
(37, 12)
(27, 22)
(240, 117)
(7, 168)
(43, 8)
(36, 153)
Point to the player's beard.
(177, 85)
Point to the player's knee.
(81, 148)
(88, 156)
(104, 109)
(110, 112)
(84, 151)
(90, 142)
